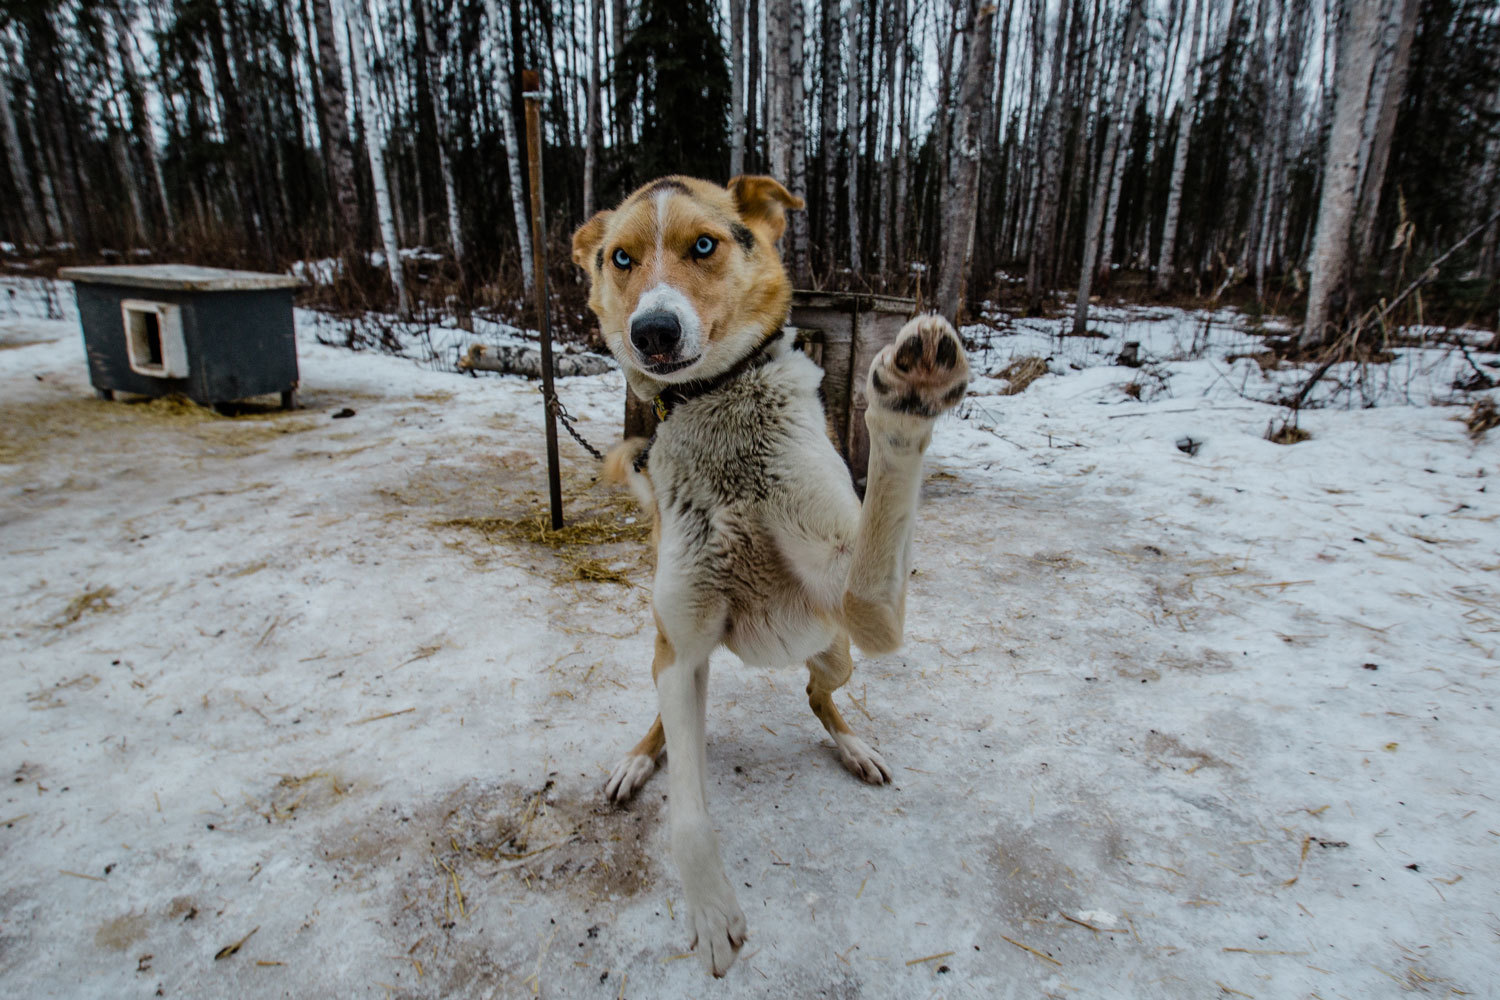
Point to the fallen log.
(528, 361)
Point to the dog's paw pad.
(923, 373)
(718, 934)
(861, 759)
(628, 777)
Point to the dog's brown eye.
(704, 247)
(622, 260)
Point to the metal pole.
(531, 83)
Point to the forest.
(1286, 155)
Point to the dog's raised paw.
(862, 760)
(718, 933)
(628, 777)
(923, 373)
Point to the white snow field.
(1165, 725)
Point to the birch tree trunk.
(855, 107)
(500, 27)
(1358, 29)
(797, 137)
(1105, 182)
(20, 174)
(141, 119)
(903, 151)
(442, 133)
(1049, 168)
(752, 84)
(1404, 23)
(778, 82)
(359, 66)
(736, 87)
(338, 151)
(887, 145)
(591, 126)
(828, 115)
(1122, 157)
(1164, 266)
(961, 190)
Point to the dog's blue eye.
(622, 260)
(704, 246)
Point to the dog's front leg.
(718, 923)
(911, 383)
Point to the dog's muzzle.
(657, 336)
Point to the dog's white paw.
(923, 373)
(862, 760)
(718, 930)
(628, 777)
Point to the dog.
(762, 545)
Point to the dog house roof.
(180, 278)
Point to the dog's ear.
(586, 242)
(762, 202)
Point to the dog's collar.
(674, 396)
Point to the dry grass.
(1021, 372)
(91, 601)
(42, 428)
(1287, 433)
(594, 524)
(1483, 416)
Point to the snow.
(1178, 724)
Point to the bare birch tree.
(1104, 182)
(1164, 266)
(338, 151)
(591, 136)
(500, 36)
(796, 120)
(15, 158)
(1398, 35)
(961, 188)
(1049, 169)
(855, 112)
(736, 87)
(359, 68)
(1359, 24)
(141, 118)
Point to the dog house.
(843, 332)
(210, 334)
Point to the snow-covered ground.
(1166, 725)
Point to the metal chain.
(561, 413)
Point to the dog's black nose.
(656, 333)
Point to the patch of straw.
(90, 601)
(1021, 372)
(1483, 416)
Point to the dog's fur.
(762, 544)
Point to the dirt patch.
(1204, 661)
(38, 430)
(544, 839)
(123, 931)
(1163, 746)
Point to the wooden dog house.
(210, 334)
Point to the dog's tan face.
(684, 275)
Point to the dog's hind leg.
(911, 383)
(638, 765)
(827, 672)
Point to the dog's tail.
(619, 468)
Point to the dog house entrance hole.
(153, 336)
